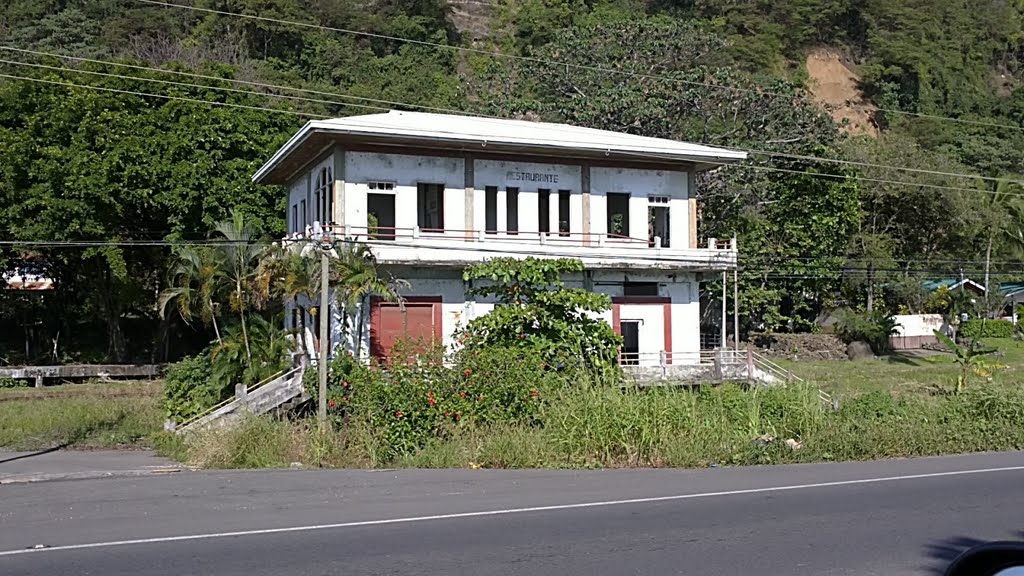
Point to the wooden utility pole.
(325, 315)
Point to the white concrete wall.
(406, 172)
(640, 184)
(919, 324)
(651, 329)
(685, 318)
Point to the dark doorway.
(630, 342)
(380, 216)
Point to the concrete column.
(338, 192)
(691, 212)
(470, 185)
(585, 190)
(553, 211)
(502, 223)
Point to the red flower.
(535, 392)
(467, 372)
(399, 414)
(446, 414)
(344, 384)
(331, 403)
(431, 401)
(462, 394)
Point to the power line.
(542, 127)
(232, 80)
(777, 265)
(185, 84)
(164, 96)
(536, 60)
(760, 260)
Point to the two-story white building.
(432, 193)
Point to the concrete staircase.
(274, 392)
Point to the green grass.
(663, 427)
(101, 415)
(905, 375)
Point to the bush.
(874, 328)
(6, 382)
(190, 388)
(976, 328)
(410, 404)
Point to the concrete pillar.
(585, 190)
(469, 223)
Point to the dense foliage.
(409, 404)
(986, 329)
(536, 312)
(110, 163)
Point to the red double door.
(419, 320)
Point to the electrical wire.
(533, 59)
(771, 154)
(641, 155)
(163, 96)
(185, 84)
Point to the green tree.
(569, 81)
(357, 277)
(535, 310)
(192, 286)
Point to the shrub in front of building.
(986, 329)
(420, 395)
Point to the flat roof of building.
(486, 137)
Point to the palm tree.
(1006, 206)
(226, 269)
(239, 254)
(357, 279)
(291, 273)
(191, 278)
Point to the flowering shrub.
(409, 403)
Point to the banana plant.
(970, 358)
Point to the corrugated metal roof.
(951, 284)
(482, 132)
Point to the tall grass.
(611, 427)
(82, 415)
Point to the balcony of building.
(447, 247)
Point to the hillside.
(824, 215)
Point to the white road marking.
(315, 527)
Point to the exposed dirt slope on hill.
(836, 86)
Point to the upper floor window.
(381, 186)
(618, 214)
(430, 207)
(491, 209)
(563, 212)
(512, 210)
(322, 192)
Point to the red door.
(419, 321)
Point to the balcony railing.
(416, 245)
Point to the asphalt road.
(892, 518)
